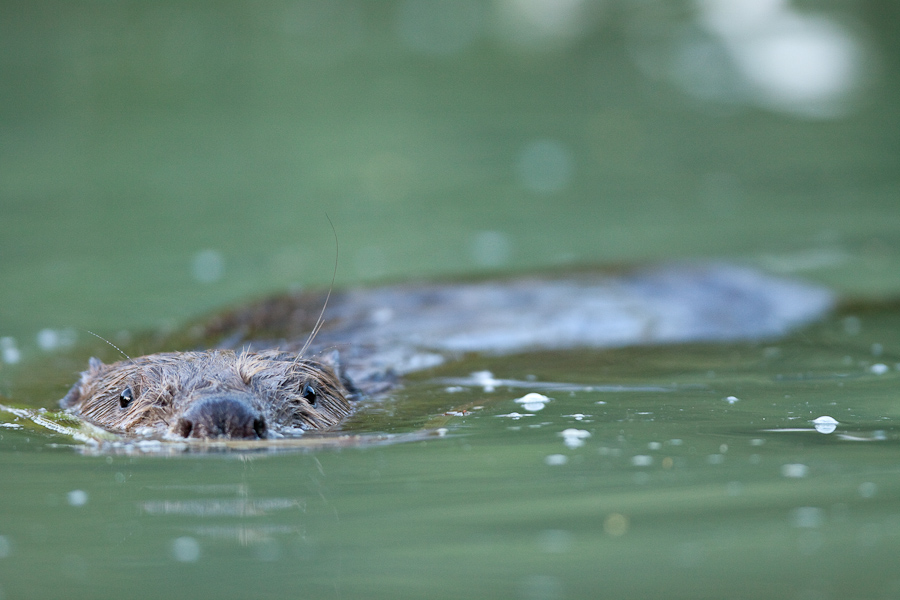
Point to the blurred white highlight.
(9, 350)
(543, 24)
(208, 266)
(439, 28)
(808, 65)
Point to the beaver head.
(213, 394)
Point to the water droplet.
(807, 517)
(185, 549)
(825, 424)
(554, 460)
(794, 470)
(208, 266)
(77, 498)
(867, 489)
(5, 546)
(574, 438)
(533, 401)
(616, 524)
(9, 351)
(641, 460)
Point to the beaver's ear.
(331, 359)
(94, 365)
(71, 398)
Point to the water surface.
(700, 475)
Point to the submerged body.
(372, 336)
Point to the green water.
(161, 160)
(674, 493)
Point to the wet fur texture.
(159, 394)
(384, 333)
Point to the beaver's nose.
(221, 416)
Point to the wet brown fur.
(164, 386)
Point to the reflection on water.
(218, 508)
(236, 515)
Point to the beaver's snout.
(227, 416)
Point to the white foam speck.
(486, 380)
(879, 368)
(641, 460)
(574, 438)
(825, 424)
(533, 401)
(578, 416)
(149, 445)
(731, 399)
(515, 416)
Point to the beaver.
(217, 393)
(269, 376)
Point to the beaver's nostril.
(228, 416)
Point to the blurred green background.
(161, 159)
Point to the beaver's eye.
(126, 397)
(309, 394)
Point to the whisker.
(321, 321)
(108, 342)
